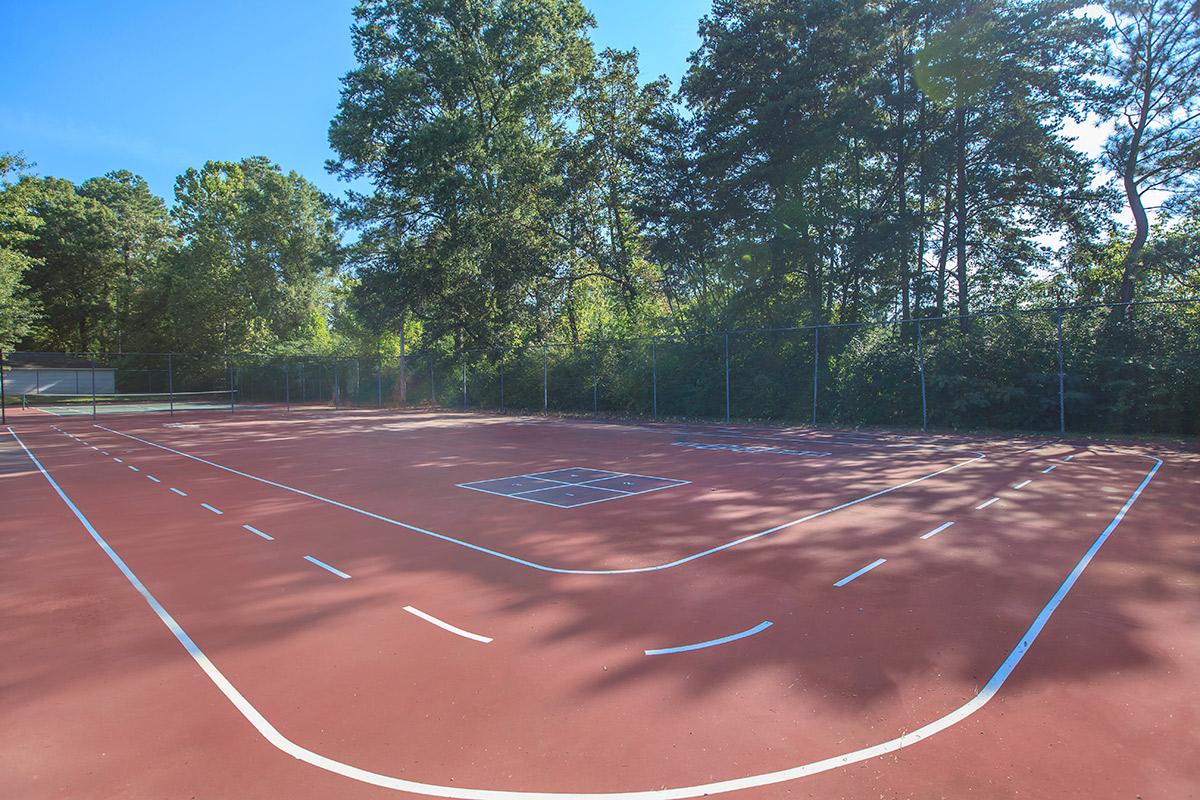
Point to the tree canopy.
(820, 161)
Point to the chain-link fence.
(1107, 369)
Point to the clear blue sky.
(156, 86)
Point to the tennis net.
(128, 403)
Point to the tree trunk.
(903, 241)
(960, 212)
(944, 250)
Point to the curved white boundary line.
(269, 732)
(416, 612)
(733, 637)
(535, 565)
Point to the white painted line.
(446, 625)
(862, 571)
(1068, 458)
(323, 565)
(544, 567)
(936, 530)
(986, 503)
(135, 469)
(1023, 484)
(151, 477)
(119, 461)
(179, 492)
(913, 736)
(256, 531)
(733, 637)
(210, 508)
(1049, 468)
(104, 452)
(95, 448)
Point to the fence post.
(403, 398)
(229, 381)
(545, 379)
(287, 385)
(93, 356)
(501, 387)
(654, 378)
(595, 379)
(921, 370)
(171, 382)
(379, 381)
(1062, 405)
(464, 384)
(727, 376)
(816, 369)
(3, 398)
(432, 392)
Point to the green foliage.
(259, 248)
(18, 225)
(457, 114)
(75, 267)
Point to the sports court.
(271, 602)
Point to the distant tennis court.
(67, 405)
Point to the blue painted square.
(570, 487)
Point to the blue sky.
(156, 87)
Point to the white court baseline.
(277, 739)
(533, 564)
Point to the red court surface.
(312, 605)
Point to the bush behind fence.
(1084, 369)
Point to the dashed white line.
(862, 571)
(151, 477)
(179, 492)
(1049, 468)
(323, 565)
(135, 469)
(936, 530)
(986, 503)
(1023, 484)
(444, 625)
(257, 532)
(118, 460)
(210, 508)
(1068, 458)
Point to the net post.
(171, 382)
(545, 379)
(921, 372)
(1062, 405)
(3, 397)
(727, 376)
(816, 369)
(287, 385)
(93, 358)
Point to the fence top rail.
(663, 338)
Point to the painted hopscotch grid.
(571, 487)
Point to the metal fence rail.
(1094, 368)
